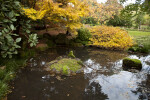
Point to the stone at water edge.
(132, 63)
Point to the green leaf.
(18, 40)
(14, 19)
(11, 14)
(15, 52)
(6, 30)
(31, 44)
(17, 3)
(28, 31)
(5, 20)
(12, 27)
(10, 55)
(0, 33)
(15, 34)
(17, 14)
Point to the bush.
(110, 38)
(140, 49)
(83, 36)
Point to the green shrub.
(143, 49)
(84, 34)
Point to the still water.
(103, 78)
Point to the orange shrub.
(110, 37)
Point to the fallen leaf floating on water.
(23, 96)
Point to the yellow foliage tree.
(65, 12)
(110, 37)
(104, 11)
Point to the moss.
(71, 54)
(65, 70)
(66, 65)
(132, 63)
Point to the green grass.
(138, 33)
(8, 68)
(141, 38)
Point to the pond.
(103, 78)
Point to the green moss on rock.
(65, 70)
(71, 54)
(65, 66)
(132, 63)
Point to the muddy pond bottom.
(103, 78)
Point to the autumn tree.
(65, 13)
(144, 5)
(102, 12)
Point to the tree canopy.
(65, 13)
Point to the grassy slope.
(141, 38)
(8, 68)
(138, 33)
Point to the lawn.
(139, 33)
(141, 38)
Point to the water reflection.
(103, 78)
(121, 85)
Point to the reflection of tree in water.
(144, 89)
(81, 52)
(104, 57)
(93, 92)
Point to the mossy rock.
(71, 54)
(65, 66)
(132, 64)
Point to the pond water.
(103, 78)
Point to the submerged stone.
(65, 66)
(132, 63)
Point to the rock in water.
(65, 66)
(132, 63)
